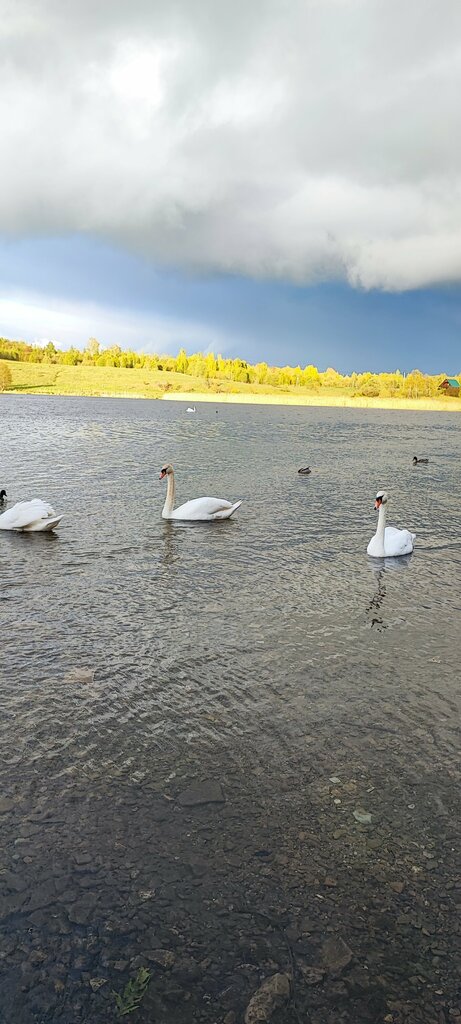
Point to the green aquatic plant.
(129, 1000)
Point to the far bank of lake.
(319, 400)
(85, 381)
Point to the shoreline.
(344, 402)
(240, 398)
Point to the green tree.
(311, 377)
(210, 366)
(71, 357)
(261, 370)
(286, 375)
(222, 370)
(182, 361)
(331, 378)
(92, 348)
(112, 356)
(416, 385)
(128, 360)
(371, 388)
(50, 353)
(197, 365)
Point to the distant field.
(55, 379)
(107, 381)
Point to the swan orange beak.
(162, 474)
(378, 502)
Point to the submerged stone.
(208, 792)
(6, 804)
(97, 983)
(336, 953)
(364, 817)
(312, 975)
(272, 994)
(162, 957)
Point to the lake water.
(267, 654)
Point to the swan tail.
(227, 512)
(42, 525)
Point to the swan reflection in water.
(379, 567)
(170, 553)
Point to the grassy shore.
(106, 381)
(320, 399)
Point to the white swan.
(199, 509)
(387, 541)
(190, 409)
(30, 516)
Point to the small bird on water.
(2, 497)
(417, 462)
(305, 471)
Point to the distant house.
(450, 386)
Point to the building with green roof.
(450, 386)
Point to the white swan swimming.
(30, 516)
(387, 541)
(190, 409)
(197, 510)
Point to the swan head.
(381, 499)
(166, 471)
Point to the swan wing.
(227, 512)
(201, 508)
(24, 514)
(375, 547)
(42, 525)
(398, 542)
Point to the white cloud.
(308, 140)
(25, 316)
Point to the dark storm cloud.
(306, 140)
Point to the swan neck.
(170, 493)
(381, 522)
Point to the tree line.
(215, 368)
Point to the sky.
(277, 181)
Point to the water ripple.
(246, 636)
